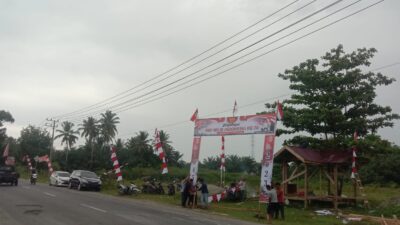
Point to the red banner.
(267, 164)
(194, 164)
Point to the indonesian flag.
(194, 116)
(160, 151)
(6, 151)
(234, 111)
(279, 111)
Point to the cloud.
(59, 56)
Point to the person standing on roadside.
(204, 193)
(242, 188)
(281, 201)
(272, 202)
(185, 191)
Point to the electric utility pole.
(52, 124)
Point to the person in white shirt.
(242, 188)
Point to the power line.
(321, 28)
(283, 45)
(386, 66)
(195, 63)
(212, 64)
(134, 105)
(224, 111)
(183, 63)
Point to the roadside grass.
(379, 198)
(246, 211)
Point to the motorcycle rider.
(33, 176)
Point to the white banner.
(240, 125)
(194, 164)
(267, 165)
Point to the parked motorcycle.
(153, 188)
(128, 190)
(171, 189)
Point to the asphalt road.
(41, 204)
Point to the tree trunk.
(66, 157)
(91, 155)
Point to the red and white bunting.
(160, 152)
(354, 157)
(114, 159)
(222, 167)
(46, 159)
(28, 160)
(6, 151)
(216, 197)
(279, 111)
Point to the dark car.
(8, 175)
(83, 179)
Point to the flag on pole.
(160, 151)
(194, 116)
(279, 111)
(6, 151)
(354, 157)
(222, 167)
(234, 111)
(114, 159)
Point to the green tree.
(68, 136)
(4, 117)
(108, 126)
(34, 141)
(212, 163)
(90, 130)
(140, 147)
(335, 97)
(378, 160)
(173, 157)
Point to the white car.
(59, 178)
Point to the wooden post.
(355, 192)
(335, 178)
(328, 170)
(305, 187)
(320, 181)
(284, 176)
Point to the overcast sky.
(59, 56)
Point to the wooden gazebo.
(304, 163)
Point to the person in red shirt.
(281, 201)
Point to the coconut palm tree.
(141, 148)
(90, 130)
(108, 126)
(68, 136)
(171, 154)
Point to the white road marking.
(26, 187)
(94, 208)
(49, 194)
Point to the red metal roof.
(316, 156)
